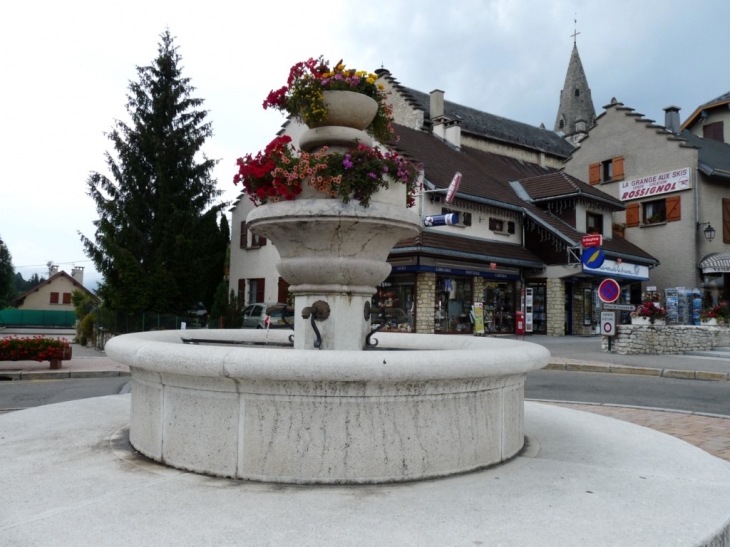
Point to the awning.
(715, 263)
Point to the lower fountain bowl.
(434, 406)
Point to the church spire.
(576, 113)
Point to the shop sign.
(593, 257)
(448, 219)
(454, 271)
(654, 185)
(619, 307)
(453, 187)
(592, 240)
(478, 311)
(624, 270)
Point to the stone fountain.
(435, 407)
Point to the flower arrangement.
(720, 312)
(302, 95)
(650, 310)
(37, 348)
(279, 171)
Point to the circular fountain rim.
(422, 357)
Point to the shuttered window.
(244, 235)
(241, 286)
(594, 173)
(725, 220)
(674, 208)
(67, 298)
(714, 131)
(618, 168)
(632, 215)
(54, 298)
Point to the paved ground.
(711, 433)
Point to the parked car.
(255, 316)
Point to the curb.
(61, 375)
(577, 366)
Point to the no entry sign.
(609, 290)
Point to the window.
(577, 92)
(496, 224)
(662, 210)
(244, 235)
(606, 171)
(714, 131)
(725, 220)
(257, 241)
(594, 223)
(256, 290)
(54, 298)
(562, 124)
(67, 298)
(511, 227)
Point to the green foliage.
(83, 303)
(151, 243)
(22, 285)
(216, 242)
(36, 348)
(86, 329)
(7, 276)
(227, 309)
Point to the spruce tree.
(7, 276)
(149, 243)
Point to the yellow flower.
(341, 66)
(381, 86)
(370, 81)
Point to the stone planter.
(712, 322)
(646, 321)
(348, 115)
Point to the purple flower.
(385, 169)
(372, 175)
(347, 163)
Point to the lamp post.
(709, 231)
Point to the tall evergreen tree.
(149, 243)
(7, 276)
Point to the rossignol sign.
(653, 185)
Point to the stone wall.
(666, 339)
(425, 301)
(555, 307)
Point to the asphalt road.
(26, 394)
(623, 389)
(643, 391)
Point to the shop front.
(429, 296)
(629, 277)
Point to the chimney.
(671, 118)
(52, 270)
(437, 104)
(453, 133)
(78, 274)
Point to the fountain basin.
(438, 406)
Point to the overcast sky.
(65, 68)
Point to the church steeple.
(576, 113)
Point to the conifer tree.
(150, 245)
(7, 275)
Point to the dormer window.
(594, 223)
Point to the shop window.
(54, 298)
(67, 298)
(395, 299)
(453, 305)
(594, 223)
(714, 131)
(499, 306)
(606, 171)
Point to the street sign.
(593, 240)
(593, 257)
(609, 291)
(441, 220)
(608, 323)
(453, 187)
(619, 307)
